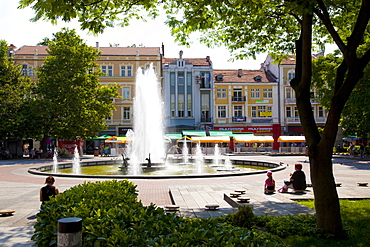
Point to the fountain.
(146, 143)
(55, 161)
(76, 162)
(145, 150)
(199, 158)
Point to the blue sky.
(18, 30)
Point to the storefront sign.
(254, 129)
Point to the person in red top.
(269, 183)
(48, 190)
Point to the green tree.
(15, 91)
(250, 27)
(356, 113)
(71, 103)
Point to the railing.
(240, 119)
(300, 150)
(239, 99)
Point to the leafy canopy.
(71, 101)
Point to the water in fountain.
(185, 152)
(147, 138)
(228, 164)
(76, 166)
(216, 155)
(55, 161)
(199, 158)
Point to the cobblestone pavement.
(19, 190)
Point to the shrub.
(112, 216)
(244, 217)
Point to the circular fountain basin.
(113, 170)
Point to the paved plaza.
(19, 190)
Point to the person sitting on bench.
(297, 180)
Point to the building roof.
(242, 76)
(194, 61)
(112, 51)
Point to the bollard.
(70, 232)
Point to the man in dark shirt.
(297, 180)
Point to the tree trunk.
(327, 206)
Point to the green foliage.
(244, 217)
(15, 93)
(355, 215)
(112, 216)
(288, 225)
(70, 101)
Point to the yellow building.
(288, 116)
(120, 65)
(245, 101)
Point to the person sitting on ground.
(297, 180)
(49, 190)
(269, 183)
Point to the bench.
(240, 191)
(235, 194)
(243, 199)
(6, 212)
(213, 206)
(171, 207)
(362, 184)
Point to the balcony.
(290, 101)
(241, 119)
(238, 99)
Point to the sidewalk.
(19, 190)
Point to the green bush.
(112, 216)
(244, 217)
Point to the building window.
(288, 93)
(107, 69)
(188, 79)
(238, 111)
(255, 93)
(321, 111)
(181, 106)
(296, 112)
(189, 106)
(288, 111)
(291, 75)
(126, 71)
(172, 105)
(221, 111)
(238, 95)
(180, 78)
(126, 93)
(254, 111)
(267, 93)
(221, 93)
(126, 113)
(172, 79)
(27, 70)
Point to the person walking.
(49, 190)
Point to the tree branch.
(325, 18)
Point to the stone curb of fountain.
(36, 171)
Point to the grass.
(355, 218)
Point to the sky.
(16, 28)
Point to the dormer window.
(258, 78)
(219, 77)
(180, 63)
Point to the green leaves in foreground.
(112, 216)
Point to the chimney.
(97, 45)
(162, 49)
(240, 72)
